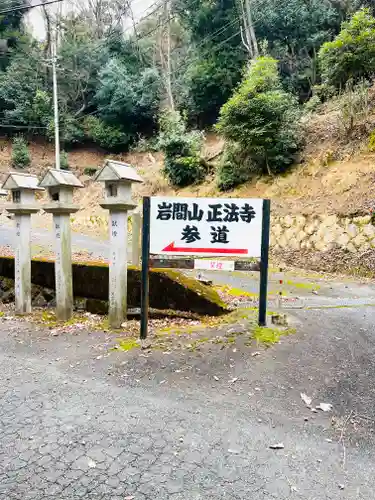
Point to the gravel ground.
(81, 421)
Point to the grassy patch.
(270, 336)
(127, 345)
(235, 292)
(207, 292)
(303, 286)
(183, 330)
(2, 314)
(194, 345)
(105, 326)
(48, 319)
(245, 313)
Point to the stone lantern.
(118, 179)
(23, 188)
(61, 185)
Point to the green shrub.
(91, 171)
(324, 91)
(353, 106)
(64, 161)
(209, 83)
(234, 168)
(261, 118)
(111, 138)
(312, 104)
(145, 145)
(185, 170)
(42, 110)
(20, 153)
(71, 130)
(371, 142)
(182, 165)
(351, 55)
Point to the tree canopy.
(351, 55)
(260, 119)
(117, 74)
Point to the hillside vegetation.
(254, 98)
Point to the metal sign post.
(264, 263)
(145, 268)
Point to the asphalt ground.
(78, 420)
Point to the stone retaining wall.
(169, 289)
(323, 233)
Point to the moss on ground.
(48, 319)
(194, 285)
(270, 336)
(105, 326)
(303, 285)
(127, 344)
(235, 292)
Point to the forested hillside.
(254, 71)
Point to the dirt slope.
(317, 185)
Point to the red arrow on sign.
(224, 251)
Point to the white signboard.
(206, 226)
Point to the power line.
(184, 64)
(159, 25)
(205, 39)
(158, 6)
(21, 7)
(8, 125)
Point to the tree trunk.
(247, 29)
(47, 47)
(169, 62)
(165, 58)
(267, 164)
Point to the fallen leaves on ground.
(235, 297)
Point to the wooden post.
(22, 265)
(136, 239)
(63, 267)
(118, 268)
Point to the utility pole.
(55, 100)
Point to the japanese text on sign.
(206, 226)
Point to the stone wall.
(323, 233)
(169, 289)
